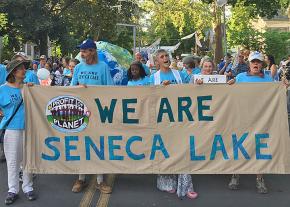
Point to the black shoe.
(10, 198)
(30, 196)
(2, 159)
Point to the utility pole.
(225, 31)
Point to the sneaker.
(78, 186)
(30, 196)
(10, 198)
(20, 176)
(104, 188)
(234, 182)
(261, 186)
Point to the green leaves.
(173, 19)
(240, 29)
(277, 44)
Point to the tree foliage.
(240, 29)
(99, 20)
(35, 20)
(263, 8)
(171, 20)
(277, 44)
(65, 22)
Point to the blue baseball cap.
(88, 44)
(35, 62)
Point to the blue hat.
(88, 44)
(35, 62)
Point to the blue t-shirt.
(146, 68)
(10, 98)
(167, 76)
(3, 74)
(66, 72)
(141, 82)
(187, 77)
(246, 78)
(30, 77)
(97, 74)
(221, 65)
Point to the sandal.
(171, 191)
(191, 195)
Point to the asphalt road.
(140, 190)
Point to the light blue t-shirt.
(246, 78)
(97, 74)
(167, 76)
(187, 77)
(141, 82)
(10, 98)
(3, 74)
(147, 70)
(30, 77)
(66, 72)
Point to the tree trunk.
(218, 52)
(43, 48)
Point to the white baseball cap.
(256, 56)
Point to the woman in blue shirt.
(180, 184)
(10, 100)
(137, 75)
(255, 74)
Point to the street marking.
(89, 193)
(104, 198)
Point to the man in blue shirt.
(91, 71)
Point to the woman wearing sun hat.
(11, 104)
